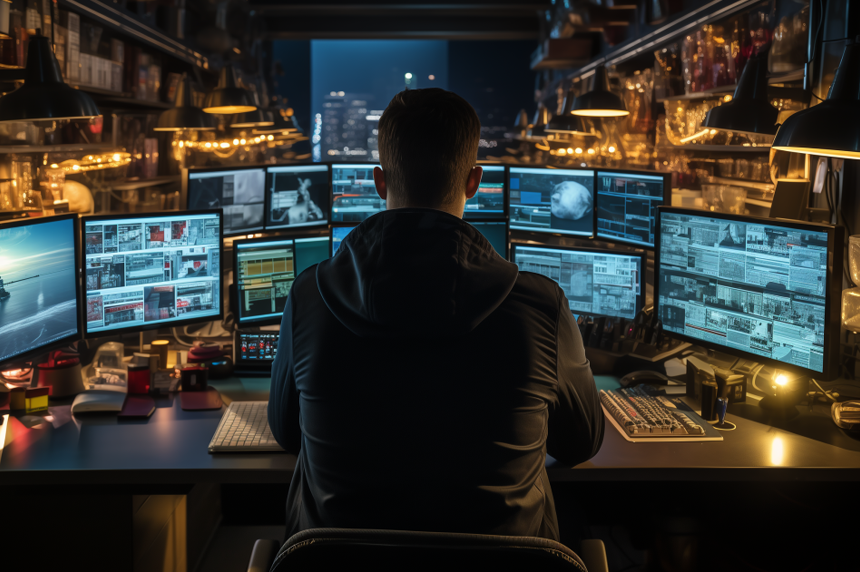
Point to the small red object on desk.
(201, 352)
(138, 379)
(201, 400)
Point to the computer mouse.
(644, 376)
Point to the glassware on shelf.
(8, 200)
(851, 296)
(724, 198)
(790, 38)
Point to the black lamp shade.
(749, 111)
(44, 95)
(599, 102)
(522, 121)
(566, 122)
(258, 118)
(229, 97)
(538, 128)
(831, 128)
(184, 115)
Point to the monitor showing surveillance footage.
(298, 196)
(146, 271)
(239, 193)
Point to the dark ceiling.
(389, 19)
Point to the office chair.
(383, 550)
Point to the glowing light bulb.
(570, 150)
(611, 149)
(116, 157)
(578, 150)
(235, 141)
(591, 151)
(781, 380)
(242, 141)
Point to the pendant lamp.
(522, 121)
(44, 95)
(566, 122)
(599, 102)
(749, 111)
(538, 128)
(831, 128)
(228, 97)
(184, 115)
(282, 123)
(258, 118)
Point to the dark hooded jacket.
(421, 380)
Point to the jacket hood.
(417, 273)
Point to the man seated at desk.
(420, 378)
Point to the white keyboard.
(244, 428)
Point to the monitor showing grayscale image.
(239, 193)
(298, 196)
(558, 201)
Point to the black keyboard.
(640, 414)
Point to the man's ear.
(379, 179)
(473, 182)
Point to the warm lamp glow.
(228, 109)
(601, 113)
(781, 380)
(822, 152)
(777, 452)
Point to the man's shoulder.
(537, 290)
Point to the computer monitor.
(489, 201)
(297, 196)
(596, 282)
(627, 204)
(763, 289)
(338, 233)
(147, 271)
(558, 201)
(354, 195)
(264, 271)
(496, 232)
(39, 261)
(254, 350)
(238, 191)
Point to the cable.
(755, 375)
(179, 341)
(826, 393)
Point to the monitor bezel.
(835, 247)
(493, 217)
(27, 356)
(667, 201)
(143, 328)
(539, 232)
(640, 299)
(186, 177)
(234, 298)
(268, 196)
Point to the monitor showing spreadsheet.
(239, 192)
(146, 271)
(265, 270)
(297, 196)
(354, 195)
(759, 288)
(559, 201)
(627, 205)
(596, 282)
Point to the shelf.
(126, 23)
(123, 99)
(758, 185)
(718, 92)
(133, 184)
(716, 148)
(24, 149)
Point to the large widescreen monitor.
(239, 192)
(489, 201)
(147, 271)
(39, 260)
(265, 270)
(627, 204)
(558, 201)
(353, 191)
(763, 289)
(596, 282)
(297, 196)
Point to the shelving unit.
(716, 148)
(94, 148)
(125, 22)
(120, 99)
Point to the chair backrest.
(381, 550)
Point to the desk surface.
(170, 448)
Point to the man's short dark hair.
(428, 143)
